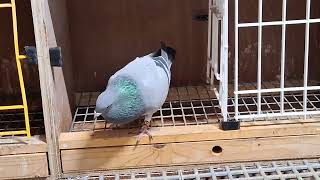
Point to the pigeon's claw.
(144, 130)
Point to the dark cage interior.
(10, 93)
(106, 35)
(106, 38)
(100, 37)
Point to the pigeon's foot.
(144, 130)
(114, 126)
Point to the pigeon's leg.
(94, 123)
(145, 128)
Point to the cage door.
(217, 67)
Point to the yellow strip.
(11, 107)
(22, 57)
(13, 133)
(16, 47)
(5, 5)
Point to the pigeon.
(137, 90)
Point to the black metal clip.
(201, 17)
(55, 55)
(230, 125)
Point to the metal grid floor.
(14, 121)
(308, 169)
(198, 105)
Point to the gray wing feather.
(152, 81)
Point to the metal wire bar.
(224, 62)
(283, 51)
(275, 23)
(290, 169)
(259, 54)
(193, 111)
(14, 122)
(306, 57)
(5, 5)
(272, 90)
(11, 107)
(205, 114)
(209, 52)
(236, 59)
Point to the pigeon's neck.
(165, 64)
(129, 103)
(105, 100)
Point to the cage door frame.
(218, 12)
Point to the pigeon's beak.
(96, 115)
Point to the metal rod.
(5, 5)
(224, 63)
(236, 59)
(270, 115)
(288, 89)
(259, 56)
(21, 57)
(275, 23)
(11, 107)
(209, 52)
(283, 52)
(214, 46)
(13, 133)
(20, 75)
(306, 58)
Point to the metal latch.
(201, 17)
(55, 55)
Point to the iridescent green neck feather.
(128, 105)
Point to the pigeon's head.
(103, 103)
(171, 53)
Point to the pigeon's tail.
(169, 52)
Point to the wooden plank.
(203, 92)
(23, 166)
(22, 145)
(110, 137)
(253, 149)
(62, 97)
(127, 31)
(48, 90)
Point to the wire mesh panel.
(198, 105)
(304, 106)
(14, 121)
(306, 88)
(184, 106)
(287, 170)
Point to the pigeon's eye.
(107, 109)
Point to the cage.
(21, 155)
(245, 87)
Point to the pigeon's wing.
(152, 80)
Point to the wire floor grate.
(308, 169)
(198, 105)
(14, 121)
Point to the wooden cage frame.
(103, 150)
(70, 152)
